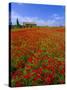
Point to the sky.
(42, 15)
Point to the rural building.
(29, 24)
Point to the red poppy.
(30, 59)
(18, 84)
(40, 70)
(39, 51)
(27, 76)
(48, 80)
(20, 64)
(35, 71)
(28, 67)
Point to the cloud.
(54, 19)
(14, 16)
(57, 17)
(22, 19)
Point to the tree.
(18, 25)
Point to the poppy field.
(37, 56)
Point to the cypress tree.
(18, 25)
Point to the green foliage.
(13, 69)
(24, 58)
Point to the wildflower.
(18, 84)
(30, 59)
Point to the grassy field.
(37, 56)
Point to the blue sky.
(40, 14)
